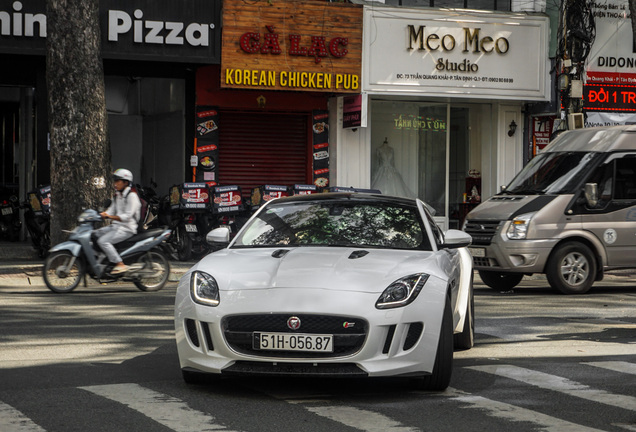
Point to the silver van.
(570, 213)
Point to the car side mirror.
(591, 194)
(454, 239)
(220, 235)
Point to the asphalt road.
(103, 359)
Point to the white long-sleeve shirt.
(127, 206)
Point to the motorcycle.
(10, 224)
(70, 261)
(37, 219)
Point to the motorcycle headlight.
(518, 229)
(204, 289)
(402, 292)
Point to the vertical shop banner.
(320, 128)
(354, 110)
(207, 144)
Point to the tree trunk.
(80, 150)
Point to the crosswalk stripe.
(170, 412)
(364, 420)
(13, 420)
(517, 414)
(616, 366)
(559, 384)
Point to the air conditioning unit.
(576, 121)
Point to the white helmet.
(123, 174)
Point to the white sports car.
(333, 284)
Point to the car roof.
(350, 196)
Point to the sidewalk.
(20, 265)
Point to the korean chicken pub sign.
(292, 45)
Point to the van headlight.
(518, 229)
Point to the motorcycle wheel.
(183, 244)
(155, 270)
(58, 277)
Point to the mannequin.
(387, 178)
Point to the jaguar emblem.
(293, 323)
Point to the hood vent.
(358, 254)
(279, 253)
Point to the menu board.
(320, 128)
(192, 196)
(207, 144)
(227, 199)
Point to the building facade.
(444, 92)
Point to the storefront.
(444, 92)
(151, 50)
(262, 116)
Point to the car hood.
(505, 207)
(331, 268)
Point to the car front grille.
(349, 333)
(481, 231)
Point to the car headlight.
(402, 292)
(518, 229)
(204, 289)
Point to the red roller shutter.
(257, 149)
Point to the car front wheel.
(440, 377)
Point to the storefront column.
(509, 143)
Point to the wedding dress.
(387, 178)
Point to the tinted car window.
(336, 223)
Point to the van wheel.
(571, 268)
(500, 281)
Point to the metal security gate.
(258, 148)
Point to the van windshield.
(553, 173)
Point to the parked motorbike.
(70, 261)
(10, 224)
(37, 219)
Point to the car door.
(613, 222)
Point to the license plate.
(293, 342)
(478, 252)
(7, 211)
(191, 228)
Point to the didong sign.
(456, 52)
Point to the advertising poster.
(227, 199)
(207, 144)
(610, 83)
(320, 128)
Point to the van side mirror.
(502, 188)
(591, 194)
(220, 235)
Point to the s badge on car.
(293, 323)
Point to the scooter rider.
(124, 212)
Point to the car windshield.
(552, 173)
(336, 223)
